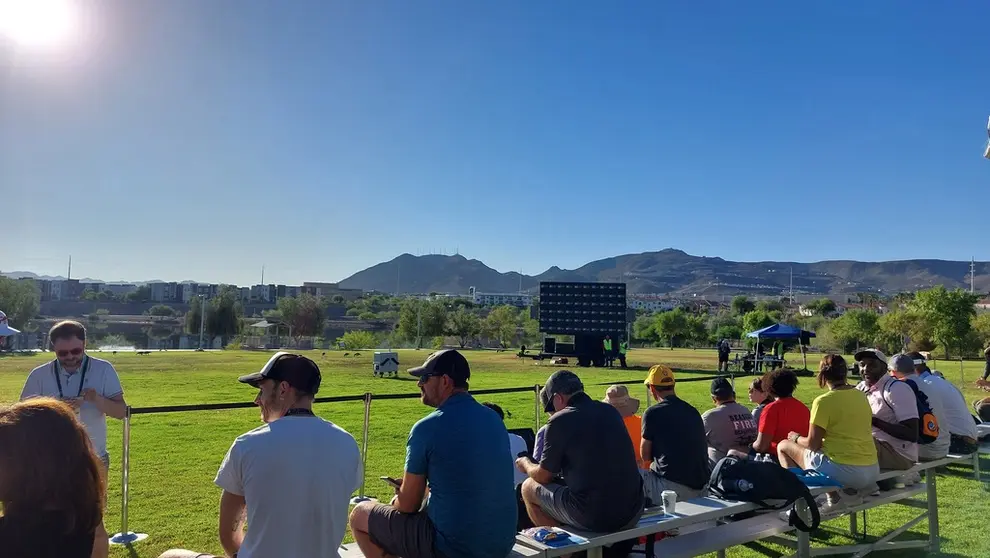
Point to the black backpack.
(928, 428)
(744, 480)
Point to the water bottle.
(743, 485)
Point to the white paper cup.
(669, 500)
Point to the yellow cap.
(660, 375)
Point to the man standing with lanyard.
(292, 478)
(89, 385)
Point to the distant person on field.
(623, 349)
(516, 443)
(618, 397)
(52, 483)
(902, 368)
(759, 396)
(986, 366)
(674, 442)
(895, 412)
(783, 415)
(723, 355)
(89, 385)
(728, 426)
(587, 446)
(955, 417)
(456, 497)
(290, 479)
(607, 349)
(840, 439)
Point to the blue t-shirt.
(461, 449)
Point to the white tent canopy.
(5, 329)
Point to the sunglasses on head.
(74, 352)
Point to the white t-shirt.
(940, 447)
(100, 376)
(297, 475)
(957, 418)
(516, 446)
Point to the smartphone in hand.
(395, 483)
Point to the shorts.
(857, 477)
(889, 459)
(555, 502)
(654, 485)
(723, 358)
(982, 408)
(410, 535)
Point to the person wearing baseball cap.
(458, 452)
(674, 441)
(895, 418)
(587, 446)
(281, 475)
(902, 367)
(728, 426)
(955, 417)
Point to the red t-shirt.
(782, 417)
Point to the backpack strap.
(795, 520)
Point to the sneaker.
(908, 479)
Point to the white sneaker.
(908, 479)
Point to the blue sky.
(201, 140)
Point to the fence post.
(536, 408)
(126, 537)
(364, 451)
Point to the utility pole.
(70, 268)
(419, 325)
(790, 298)
(262, 274)
(202, 319)
(972, 276)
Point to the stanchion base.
(127, 538)
(358, 499)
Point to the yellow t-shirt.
(846, 416)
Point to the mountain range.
(666, 271)
(675, 272)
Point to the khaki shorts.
(889, 459)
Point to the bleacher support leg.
(853, 527)
(719, 554)
(976, 464)
(803, 545)
(933, 536)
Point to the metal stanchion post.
(124, 536)
(536, 408)
(364, 452)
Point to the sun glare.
(38, 23)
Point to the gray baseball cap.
(901, 363)
(563, 382)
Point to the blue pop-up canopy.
(780, 331)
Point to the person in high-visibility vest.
(607, 349)
(623, 349)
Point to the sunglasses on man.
(64, 353)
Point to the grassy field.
(175, 456)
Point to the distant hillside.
(673, 271)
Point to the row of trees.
(427, 319)
(933, 319)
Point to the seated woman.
(783, 415)
(51, 483)
(759, 396)
(840, 436)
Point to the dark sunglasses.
(74, 352)
(426, 377)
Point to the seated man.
(586, 444)
(902, 367)
(674, 442)
(895, 413)
(956, 417)
(729, 426)
(460, 450)
(292, 478)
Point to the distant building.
(329, 290)
(521, 300)
(166, 292)
(652, 303)
(264, 293)
(120, 289)
(983, 305)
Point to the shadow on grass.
(837, 537)
(131, 553)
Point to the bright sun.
(38, 23)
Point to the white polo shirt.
(100, 375)
(296, 475)
(955, 416)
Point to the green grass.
(175, 456)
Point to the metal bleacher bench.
(726, 533)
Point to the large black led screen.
(568, 308)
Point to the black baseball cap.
(722, 388)
(447, 362)
(296, 370)
(563, 382)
